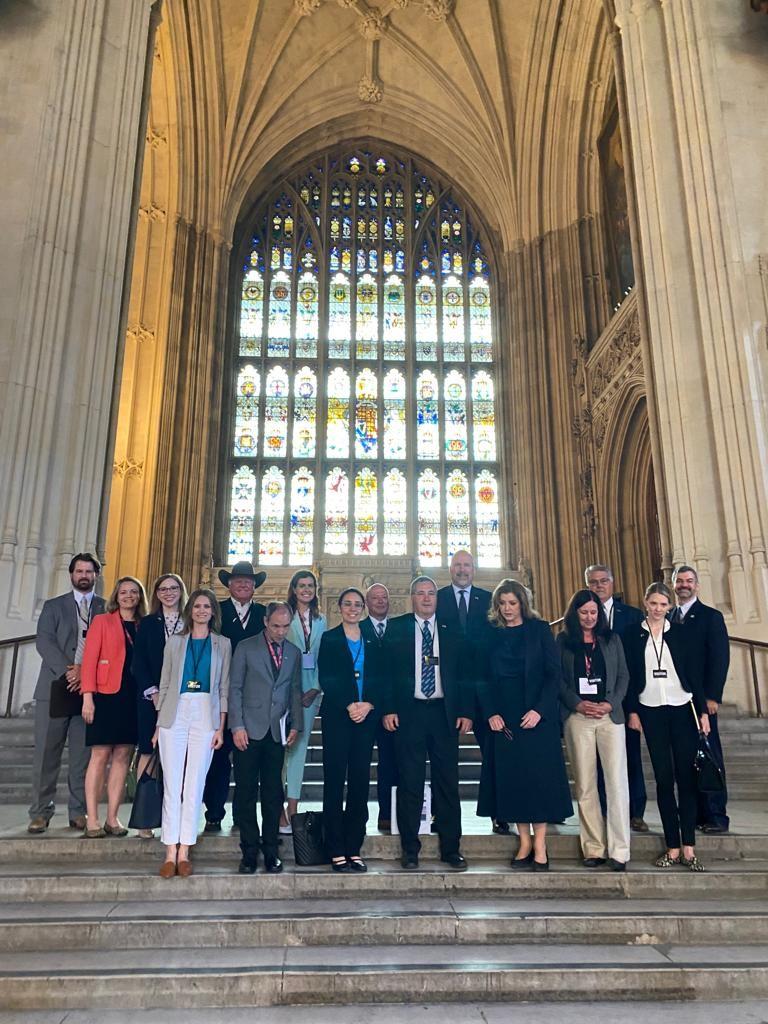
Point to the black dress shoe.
(272, 865)
(616, 865)
(714, 830)
(410, 861)
(522, 863)
(340, 866)
(593, 862)
(501, 828)
(357, 864)
(384, 825)
(247, 867)
(212, 826)
(539, 866)
(455, 861)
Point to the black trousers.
(217, 782)
(347, 752)
(259, 768)
(672, 739)
(424, 733)
(712, 806)
(638, 797)
(386, 770)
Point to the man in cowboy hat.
(241, 617)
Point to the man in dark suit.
(61, 632)
(709, 657)
(241, 618)
(599, 578)
(427, 704)
(374, 628)
(264, 684)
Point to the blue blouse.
(197, 666)
(357, 651)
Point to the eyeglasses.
(169, 590)
(601, 582)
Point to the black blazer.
(231, 626)
(635, 640)
(336, 673)
(399, 660)
(709, 649)
(542, 671)
(366, 627)
(477, 609)
(624, 617)
(148, 651)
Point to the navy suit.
(709, 657)
(386, 768)
(217, 780)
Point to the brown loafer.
(78, 823)
(184, 869)
(37, 826)
(167, 869)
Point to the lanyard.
(170, 632)
(277, 658)
(658, 651)
(197, 658)
(244, 619)
(85, 621)
(126, 633)
(358, 653)
(588, 659)
(307, 631)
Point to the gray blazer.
(616, 673)
(56, 641)
(173, 670)
(257, 701)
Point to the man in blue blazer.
(709, 657)
(599, 578)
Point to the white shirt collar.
(644, 624)
(420, 622)
(457, 591)
(607, 605)
(685, 608)
(378, 622)
(79, 595)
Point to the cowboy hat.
(242, 569)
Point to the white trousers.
(185, 754)
(585, 738)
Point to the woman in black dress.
(523, 776)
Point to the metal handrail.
(752, 644)
(15, 642)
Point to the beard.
(84, 586)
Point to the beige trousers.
(585, 738)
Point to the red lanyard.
(276, 654)
(307, 631)
(588, 660)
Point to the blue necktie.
(427, 670)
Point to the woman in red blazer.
(109, 703)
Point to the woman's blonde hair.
(522, 594)
(141, 607)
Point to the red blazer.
(104, 655)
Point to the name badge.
(430, 660)
(659, 673)
(587, 687)
(308, 659)
(193, 684)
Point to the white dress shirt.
(79, 595)
(243, 610)
(659, 693)
(378, 622)
(419, 625)
(608, 609)
(685, 608)
(457, 592)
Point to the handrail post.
(755, 683)
(9, 702)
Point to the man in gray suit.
(61, 632)
(264, 686)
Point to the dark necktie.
(463, 610)
(427, 668)
(679, 615)
(277, 658)
(379, 630)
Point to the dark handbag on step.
(709, 775)
(147, 810)
(308, 839)
(64, 703)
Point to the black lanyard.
(658, 651)
(307, 633)
(195, 658)
(244, 621)
(172, 631)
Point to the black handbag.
(64, 703)
(308, 839)
(147, 810)
(709, 775)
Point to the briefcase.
(64, 703)
(308, 839)
(147, 810)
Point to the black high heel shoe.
(522, 863)
(539, 866)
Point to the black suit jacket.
(336, 673)
(477, 610)
(400, 670)
(148, 651)
(366, 627)
(709, 649)
(542, 671)
(635, 640)
(624, 617)
(231, 626)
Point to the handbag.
(64, 703)
(147, 810)
(308, 839)
(709, 775)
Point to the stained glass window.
(363, 394)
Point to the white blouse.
(660, 693)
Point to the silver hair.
(598, 567)
(421, 579)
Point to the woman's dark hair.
(155, 605)
(351, 590)
(571, 624)
(214, 623)
(522, 594)
(293, 604)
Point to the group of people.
(213, 685)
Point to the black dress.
(523, 778)
(115, 720)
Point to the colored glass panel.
(367, 317)
(307, 316)
(483, 418)
(279, 317)
(366, 416)
(247, 412)
(427, 426)
(455, 394)
(339, 322)
(302, 520)
(272, 517)
(251, 314)
(336, 512)
(394, 318)
(366, 513)
(304, 413)
(430, 543)
(395, 513)
(394, 415)
(242, 510)
(426, 318)
(276, 414)
(453, 319)
(337, 424)
(457, 512)
(480, 320)
(488, 545)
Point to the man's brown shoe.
(37, 826)
(78, 822)
(638, 825)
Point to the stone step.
(270, 976)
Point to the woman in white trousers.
(191, 711)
